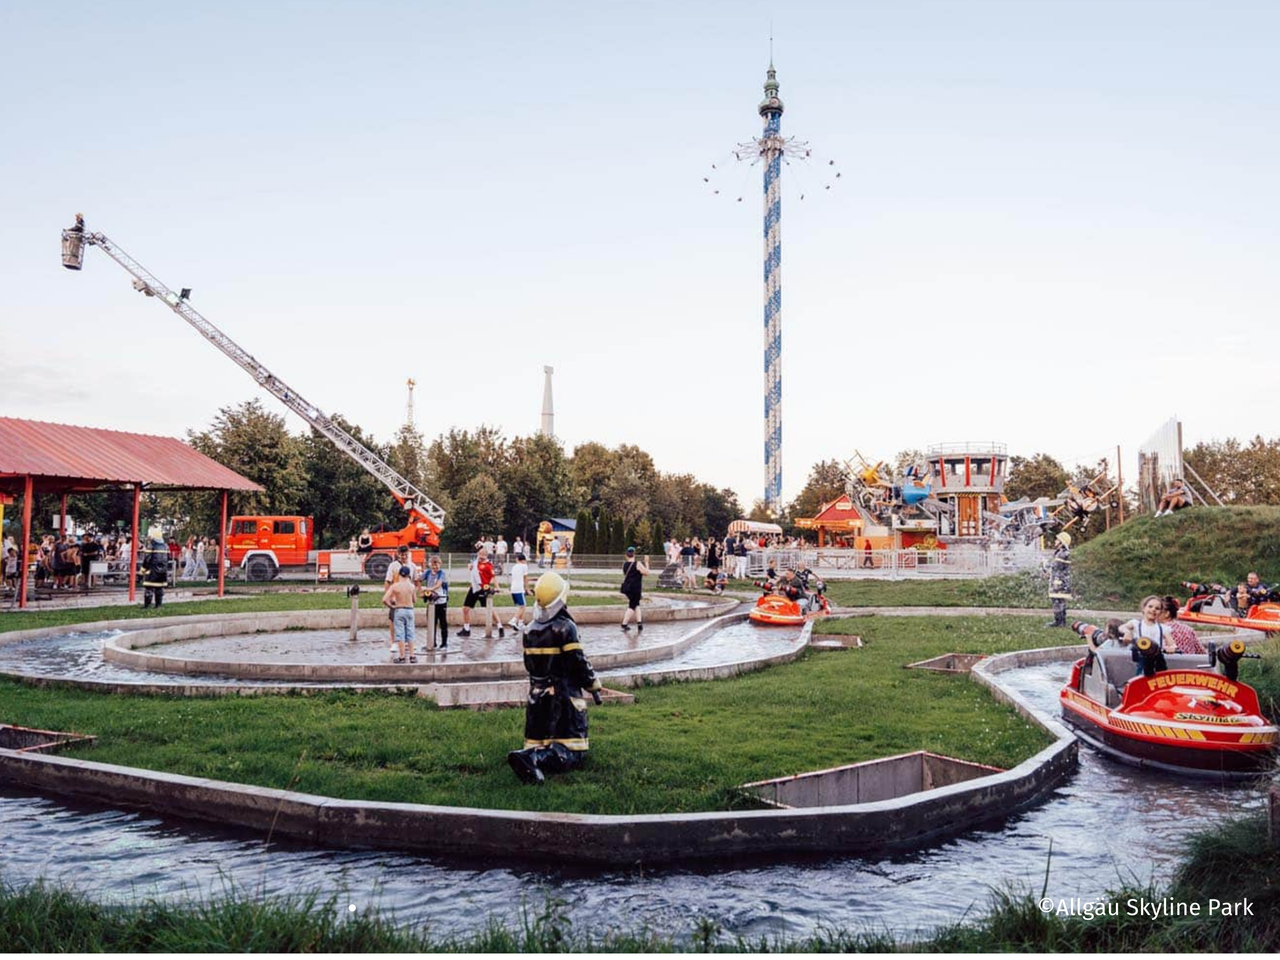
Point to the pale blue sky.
(1056, 224)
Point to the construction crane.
(425, 517)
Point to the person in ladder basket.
(560, 676)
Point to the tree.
(477, 510)
(1237, 473)
(626, 493)
(458, 457)
(256, 445)
(719, 509)
(617, 536)
(1039, 476)
(590, 468)
(584, 536)
(642, 536)
(825, 483)
(535, 481)
(655, 540)
(341, 495)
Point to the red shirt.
(485, 569)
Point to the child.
(399, 596)
(519, 570)
(436, 589)
(11, 569)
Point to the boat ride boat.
(778, 609)
(1191, 716)
(1210, 606)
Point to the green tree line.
(486, 483)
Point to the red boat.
(1212, 608)
(1190, 718)
(777, 610)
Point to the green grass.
(1155, 554)
(682, 747)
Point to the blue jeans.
(404, 624)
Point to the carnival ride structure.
(425, 518)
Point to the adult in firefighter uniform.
(153, 564)
(560, 679)
(1060, 579)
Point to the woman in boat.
(1184, 638)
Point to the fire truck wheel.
(260, 568)
(375, 568)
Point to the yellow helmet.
(550, 588)
(1064, 538)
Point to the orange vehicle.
(264, 545)
(261, 545)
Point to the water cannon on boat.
(1091, 632)
(1149, 653)
(1230, 656)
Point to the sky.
(1055, 224)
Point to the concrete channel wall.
(883, 826)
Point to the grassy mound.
(1154, 555)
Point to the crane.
(425, 516)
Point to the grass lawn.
(681, 747)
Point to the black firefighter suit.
(555, 716)
(153, 564)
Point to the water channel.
(1108, 824)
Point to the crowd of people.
(65, 561)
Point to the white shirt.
(414, 572)
(518, 572)
(501, 545)
(488, 546)
(518, 546)
(555, 546)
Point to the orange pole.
(62, 520)
(27, 496)
(133, 549)
(222, 546)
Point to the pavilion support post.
(28, 494)
(62, 517)
(222, 546)
(133, 548)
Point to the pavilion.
(57, 458)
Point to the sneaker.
(626, 628)
(413, 659)
(444, 644)
(464, 632)
(639, 628)
(397, 659)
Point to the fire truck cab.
(260, 546)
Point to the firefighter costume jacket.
(559, 677)
(153, 564)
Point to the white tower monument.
(548, 411)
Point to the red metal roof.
(85, 457)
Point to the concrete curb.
(884, 826)
(123, 650)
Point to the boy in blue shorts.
(519, 570)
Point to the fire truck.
(262, 545)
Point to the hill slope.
(1153, 555)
